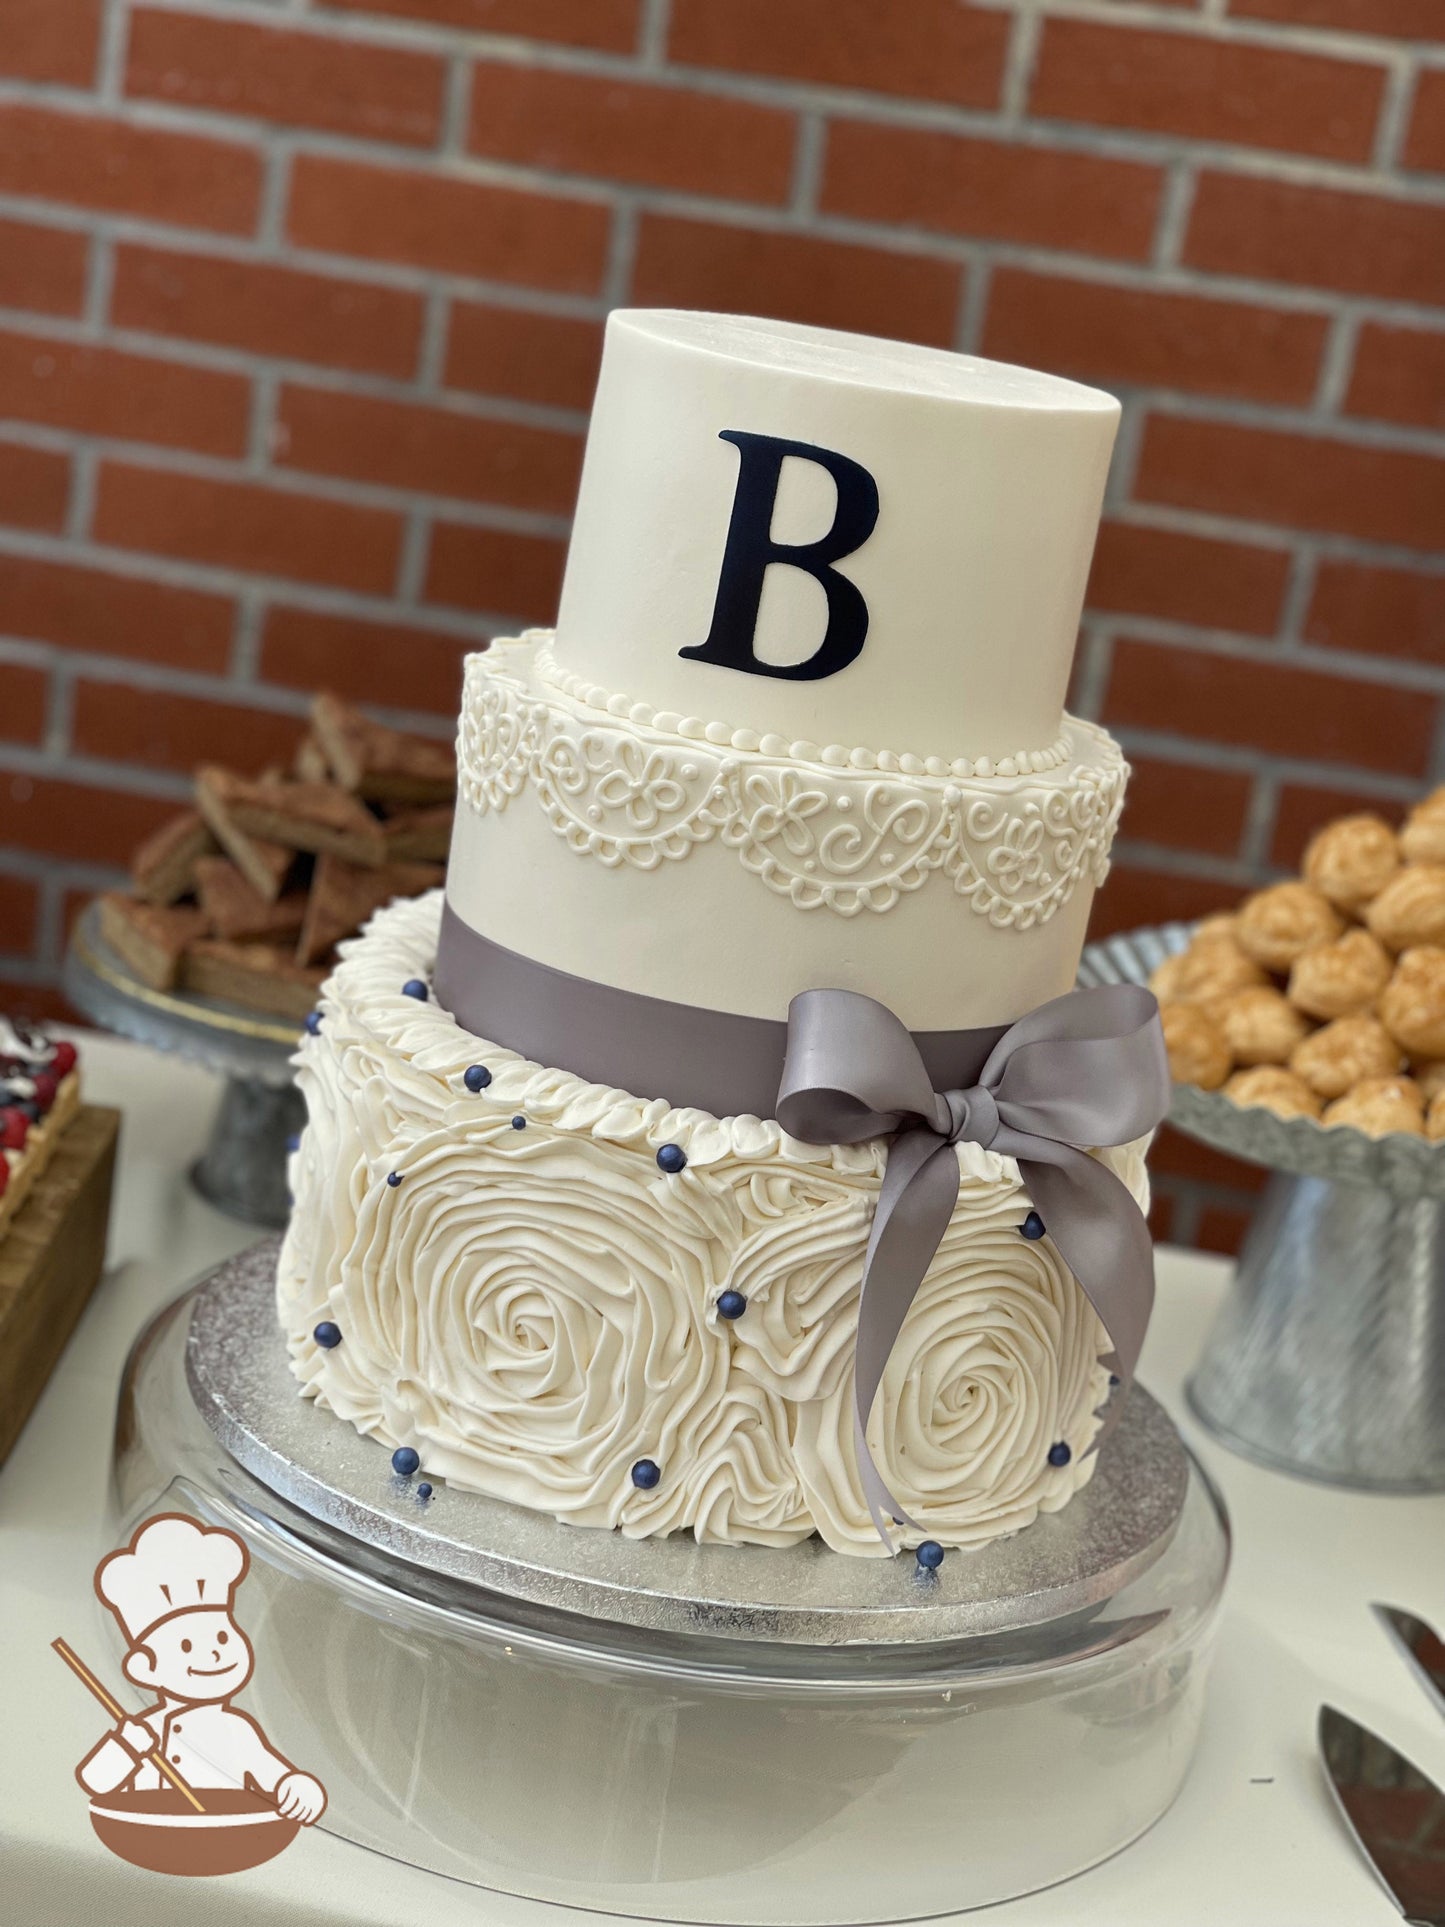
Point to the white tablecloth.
(1253, 1837)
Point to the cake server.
(1395, 1813)
(1421, 1645)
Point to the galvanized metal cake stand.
(242, 1170)
(1328, 1359)
(673, 1731)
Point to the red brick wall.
(300, 306)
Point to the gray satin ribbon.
(713, 1060)
(1088, 1069)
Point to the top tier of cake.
(833, 538)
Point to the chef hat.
(172, 1565)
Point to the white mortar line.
(652, 34)
(1176, 203)
(1078, 140)
(1394, 113)
(35, 867)
(261, 428)
(1259, 821)
(81, 506)
(245, 660)
(1019, 61)
(807, 167)
(114, 34)
(1347, 548)
(99, 281)
(1176, 861)
(175, 352)
(1337, 361)
(1348, 667)
(1060, 262)
(431, 359)
(621, 253)
(1091, 676)
(457, 107)
(120, 672)
(429, 35)
(1128, 445)
(973, 305)
(275, 188)
(412, 561)
(447, 622)
(1299, 589)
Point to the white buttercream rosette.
(535, 1309)
(996, 1364)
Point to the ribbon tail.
(1103, 1238)
(915, 1203)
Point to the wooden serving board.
(51, 1256)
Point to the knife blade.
(1396, 1814)
(1421, 1645)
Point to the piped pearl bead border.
(1024, 762)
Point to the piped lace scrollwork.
(1015, 848)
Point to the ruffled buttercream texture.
(535, 1309)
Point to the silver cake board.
(703, 1734)
(475, 1550)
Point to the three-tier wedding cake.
(792, 780)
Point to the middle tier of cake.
(509, 1279)
(683, 859)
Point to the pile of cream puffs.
(1325, 998)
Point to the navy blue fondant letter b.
(751, 552)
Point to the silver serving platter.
(1405, 1166)
(242, 1170)
(485, 1550)
(224, 1037)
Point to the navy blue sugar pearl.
(293, 1143)
(313, 1023)
(393, 1178)
(519, 1123)
(930, 1555)
(645, 1474)
(423, 1491)
(414, 987)
(671, 1158)
(1059, 1454)
(405, 1460)
(327, 1335)
(1114, 1379)
(731, 1304)
(1032, 1227)
(476, 1077)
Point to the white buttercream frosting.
(534, 1308)
(989, 483)
(849, 831)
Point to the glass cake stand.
(242, 1170)
(1328, 1358)
(681, 1732)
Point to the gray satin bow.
(1088, 1069)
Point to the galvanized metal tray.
(1405, 1166)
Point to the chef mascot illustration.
(171, 1590)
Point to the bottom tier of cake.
(637, 1317)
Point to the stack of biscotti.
(39, 1095)
(245, 897)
